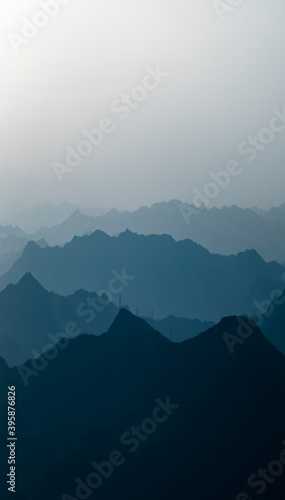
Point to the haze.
(225, 79)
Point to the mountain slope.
(77, 224)
(31, 219)
(179, 329)
(178, 278)
(29, 314)
(273, 324)
(26, 328)
(227, 230)
(225, 422)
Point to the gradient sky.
(225, 78)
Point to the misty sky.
(225, 79)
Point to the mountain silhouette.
(11, 248)
(228, 230)
(26, 329)
(273, 325)
(224, 406)
(31, 219)
(29, 314)
(276, 214)
(77, 224)
(176, 278)
(179, 329)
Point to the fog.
(225, 82)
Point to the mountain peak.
(126, 323)
(77, 215)
(126, 320)
(31, 246)
(28, 278)
(27, 284)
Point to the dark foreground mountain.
(273, 323)
(227, 230)
(153, 272)
(189, 420)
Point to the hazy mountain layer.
(153, 273)
(228, 230)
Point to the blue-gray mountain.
(153, 272)
(31, 219)
(228, 230)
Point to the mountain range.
(226, 231)
(32, 319)
(153, 273)
(219, 416)
(173, 402)
(31, 219)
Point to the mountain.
(226, 231)
(7, 260)
(77, 224)
(12, 247)
(273, 324)
(276, 214)
(12, 243)
(152, 272)
(8, 230)
(26, 330)
(179, 329)
(29, 314)
(31, 219)
(260, 211)
(188, 420)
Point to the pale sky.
(225, 79)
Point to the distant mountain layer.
(152, 273)
(32, 319)
(7, 260)
(12, 242)
(276, 214)
(31, 219)
(188, 420)
(228, 230)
